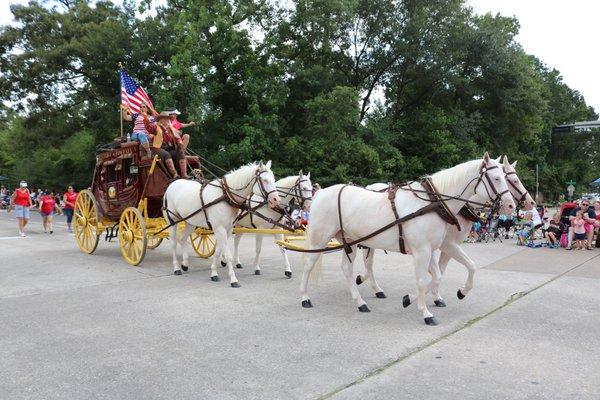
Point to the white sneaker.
(23, 234)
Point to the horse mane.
(240, 177)
(448, 180)
(287, 182)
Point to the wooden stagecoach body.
(125, 201)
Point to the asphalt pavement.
(77, 326)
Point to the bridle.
(297, 192)
(484, 173)
(230, 192)
(522, 194)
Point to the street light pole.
(537, 182)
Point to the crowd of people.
(578, 227)
(48, 202)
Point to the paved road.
(75, 326)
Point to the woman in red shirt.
(21, 202)
(47, 207)
(70, 197)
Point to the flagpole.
(120, 105)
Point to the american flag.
(132, 95)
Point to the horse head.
(520, 194)
(265, 184)
(492, 185)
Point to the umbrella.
(596, 182)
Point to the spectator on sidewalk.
(589, 222)
(21, 202)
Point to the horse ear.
(260, 164)
(268, 165)
(300, 173)
(505, 161)
(514, 165)
(486, 157)
(308, 175)
(498, 159)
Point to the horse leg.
(455, 251)
(232, 278)
(286, 260)
(309, 263)
(422, 259)
(369, 260)
(221, 243)
(347, 268)
(183, 244)
(257, 249)
(236, 255)
(173, 236)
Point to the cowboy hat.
(173, 111)
(163, 114)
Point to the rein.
(436, 203)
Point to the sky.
(562, 33)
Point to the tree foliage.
(353, 90)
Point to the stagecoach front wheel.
(204, 244)
(132, 236)
(85, 222)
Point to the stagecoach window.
(111, 173)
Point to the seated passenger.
(139, 128)
(167, 143)
(185, 138)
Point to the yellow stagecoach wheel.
(203, 243)
(132, 236)
(85, 222)
(153, 242)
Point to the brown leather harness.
(437, 204)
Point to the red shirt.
(70, 198)
(22, 197)
(47, 203)
(176, 124)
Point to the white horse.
(452, 241)
(364, 212)
(293, 189)
(215, 205)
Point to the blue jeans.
(141, 137)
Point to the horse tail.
(317, 270)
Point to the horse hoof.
(178, 272)
(238, 266)
(288, 274)
(364, 308)
(223, 263)
(235, 284)
(214, 278)
(439, 303)
(184, 267)
(380, 295)
(460, 295)
(431, 321)
(358, 279)
(257, 272)
(405, 301)
(306, 304)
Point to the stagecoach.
(125, 201)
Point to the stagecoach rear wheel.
(204, 244)
(132, 236)
(153, 242)
(85, 222)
